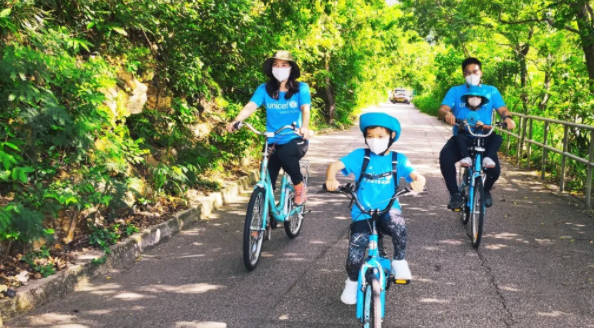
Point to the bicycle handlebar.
(463, 125)
(293, 126)
(348, 189)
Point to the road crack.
(509, 319)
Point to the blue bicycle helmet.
(380, 119)
(476, 91)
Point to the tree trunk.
(330, 101)
(586, 29)
(523, 52)
(542, 106)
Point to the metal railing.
(526, 121)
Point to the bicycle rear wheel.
(477, 213)
(253, 234)
(293, 225)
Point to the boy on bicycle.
(375, 187)
(475, 100)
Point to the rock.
(138, 98)
(11, 293)
(3, 288)
(202, 130)
(137, 185)
(23, 277)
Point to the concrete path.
(534, 268)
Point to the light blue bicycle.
(375, 276)
(471, 178)
(258, 225)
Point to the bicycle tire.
(376, 303)
(478, 213)
(462, 178)
(293, 226)
(252, 238)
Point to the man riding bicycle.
(456, 106)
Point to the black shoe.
(488, 199)
(456, 202)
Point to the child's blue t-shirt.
(283, 111)
(376, 193)
(453, 99)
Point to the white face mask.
(473, 79)
(378, 146)
(281, 74)
(474, 101)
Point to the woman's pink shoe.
(300, 194)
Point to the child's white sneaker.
(401, 270)
(466, 161)
(488, 163)
(349, 294)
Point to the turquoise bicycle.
(375, 275)
(471, 178)
(258, 226)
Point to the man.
(454, 107)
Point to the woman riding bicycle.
(286, 101)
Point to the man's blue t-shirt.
(453, 99)
(376, 193)
(282, 112)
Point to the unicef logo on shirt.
(293, 104)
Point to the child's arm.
(418, 181)
(331, 182)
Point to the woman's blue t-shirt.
(376, 193)
(283, 111)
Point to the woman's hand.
(305, 133)
(332, 184)
(230, 127)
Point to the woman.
(286, 101)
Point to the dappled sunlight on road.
(182, 289)
(433, 301)
(200, 324)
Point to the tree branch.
(536, 20)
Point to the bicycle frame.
(279, 213)
(379, 266)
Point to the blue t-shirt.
(453, 99)
(376, 193)
(282, 112)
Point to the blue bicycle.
(375, 276)
(471, 179)
(258, 225)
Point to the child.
(380, 131)
(475, 100)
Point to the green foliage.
(70, 142)
(103, 237)
(539, 54)
(37, 261)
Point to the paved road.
(535, 267)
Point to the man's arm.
(506, 114)
(445, 113)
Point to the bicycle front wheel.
(376, 303)
(253, 234)
(477, 212)
(463, 179)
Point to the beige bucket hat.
(282, 55)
